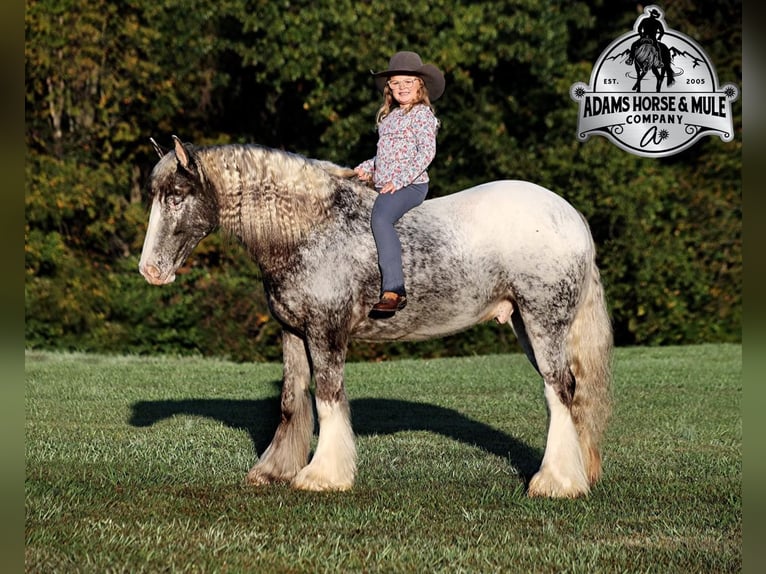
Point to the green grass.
(137, 465)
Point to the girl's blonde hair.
(390, 103)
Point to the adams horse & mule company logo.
(655, 114)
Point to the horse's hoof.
(313, 482)
(544, 484)
(319, 486)
(257, 477)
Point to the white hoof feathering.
(257, 478)
(333, 466)
(562, 473)
(268, 472)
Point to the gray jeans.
(387, 210)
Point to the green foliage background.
(102, 77)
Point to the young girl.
(406, 146)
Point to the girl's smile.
(404, 88)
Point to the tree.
(103, 77)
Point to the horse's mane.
(272, 197)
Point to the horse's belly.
(404, 332)
(428, 319)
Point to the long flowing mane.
(273, 197)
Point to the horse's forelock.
(160, 178)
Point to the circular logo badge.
(654, 92)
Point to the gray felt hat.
(410, 64)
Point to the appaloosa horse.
(506, 250)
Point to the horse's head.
(184, 211)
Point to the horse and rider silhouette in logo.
(648, 53)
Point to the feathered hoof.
(307, 479)
(256, 478)
(259, 477)
(545, 484)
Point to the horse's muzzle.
(154, 276)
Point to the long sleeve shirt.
(406, 147)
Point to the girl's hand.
(388, 188)
(363, 175)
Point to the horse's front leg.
(289, 449)
(333, 466)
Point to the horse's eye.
(175, 200)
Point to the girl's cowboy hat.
(410, 64)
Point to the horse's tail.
(667, 61)
(589, 354)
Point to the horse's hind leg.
(289, 449)
(562, 472)
(660, 75)
(639, 76)
(520, 330)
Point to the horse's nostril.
(150, 271)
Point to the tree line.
(102, 77)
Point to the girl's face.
(404, 88)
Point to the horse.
(648, 56)
(508, 250)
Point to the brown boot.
(389, 304)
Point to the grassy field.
(136, 465)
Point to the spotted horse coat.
(511, 251)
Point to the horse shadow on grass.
(370, 416)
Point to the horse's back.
(474, 255)
(511, 216)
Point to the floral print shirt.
(406, 147)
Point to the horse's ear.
(182, 154)
(160, 152)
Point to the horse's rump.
(647, 55)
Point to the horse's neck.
(269, 200)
